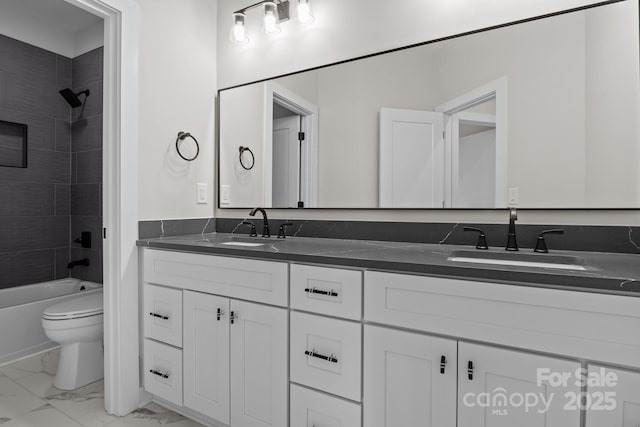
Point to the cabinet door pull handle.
(159, 316)
(331, 358)
(158, 373)
(330, 293)
(443, 362)
(470, 370)
(220, 314)
(233, 316)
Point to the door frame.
(274, 92)
(120, 200)
(498, 90)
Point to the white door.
(404, 384)
(206, 355)
(624, 393)
(411, 159)
(499, 388)
(286, 162)
(259, 363)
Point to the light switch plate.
(225, 197)
(201, 193)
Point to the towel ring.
(181, 137)
(253, 158)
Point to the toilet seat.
(76, 308)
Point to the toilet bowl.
(76, 324)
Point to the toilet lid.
(84, 306)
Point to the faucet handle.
(541, 245)
(482, 238)
(253, 232)
(282, 230)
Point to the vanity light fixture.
(274, 13)
(270, 23)
(238, 31)
(304, 12)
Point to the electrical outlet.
(201, 193)
(513, 196)
(225, 196)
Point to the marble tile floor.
(28, 399)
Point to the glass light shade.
(304, 12)
(270, 20)
(238, 31)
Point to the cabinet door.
(403, 381)
(506, 388)
(259, 362)
(206, 354)
(625, 393)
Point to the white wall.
(177, 93)
(55, 26)
(347, 29)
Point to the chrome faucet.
(265, 223)
(512, 244)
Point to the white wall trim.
(120, 199)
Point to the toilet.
(76, 324)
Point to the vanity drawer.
(163, 314)
(326, 354)
(163, 371)
(311, 408)
(248, 279)
(332, 291)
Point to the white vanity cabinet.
(409, 379)
(613, 401)
(229, 360)
(504, 388)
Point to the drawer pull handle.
(443, 362)
(331, 358)
(233, 317)
(158, 373)
(330, 293)
(470, 370)
(159, 315)
(220, 314)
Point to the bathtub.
(21, 308)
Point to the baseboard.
(193, 415)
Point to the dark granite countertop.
(604, 272)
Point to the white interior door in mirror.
(411, 159)
(286, 164)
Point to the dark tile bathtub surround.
(86, 164)
(34, 207)
(43, 205)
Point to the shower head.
(72, 98)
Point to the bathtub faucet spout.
(83, 261)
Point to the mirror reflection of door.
(474, 160)
(286, 157)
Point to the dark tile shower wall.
(46, 206)
(34, 201)
(86, 164)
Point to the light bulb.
(304, 12)
(270, 20)
(238, 31)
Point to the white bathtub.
(21, 308)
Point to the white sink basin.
(557, 262)
(245, 244)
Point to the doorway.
(290, 164)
